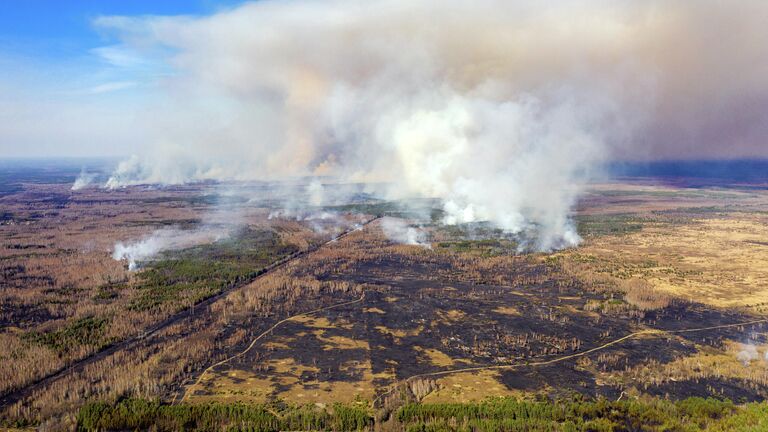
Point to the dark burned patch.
(386, 269)
(319, 354)
(527, 380)
(15, 276)
(199, 200)
(67, 290)
(17, 314)
(558, 381)
(739, 391)
(456, 319)
(12, 271)
(7, 217)
(314, 356)
(48, 199)
(188, 223)
(254, 324)
(427, 307)
(680, 317)
(17, 246)
(642, 350)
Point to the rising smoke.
(84, 179)
(399, 231)
(747, 353)
(501, 109)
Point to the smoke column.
(84, 179)
(502, 109)
(398, 231)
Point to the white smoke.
(83, 180)
(169, 168)
(316, 193)
(747, 354)
(517, 164)
(498, 108)
(398, 231)
(301, 215)
(163, 240)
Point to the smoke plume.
(399, 231)
(163, 240)
(501, 109)
(747, 353)
(83, 180)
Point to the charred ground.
(475, 315)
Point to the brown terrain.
(666, 297)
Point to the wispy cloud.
(112, 86)
(120, 56)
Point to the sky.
(62, 29)
(123, 77)
(66, 87)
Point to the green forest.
(497, 414)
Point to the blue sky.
(57, 68)
(62, 29)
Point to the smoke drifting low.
(163, 240)
(501, 109)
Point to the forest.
(494, 414)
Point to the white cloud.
(120, 56)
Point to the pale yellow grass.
(339, 342)
(226, 386)
(453, 315)
(469, 386)
(321, 322)
(722, 262)
(436, 357)
(246, 386)
(333, 391)
(507, 310)
(398, 334)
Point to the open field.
(665, 298)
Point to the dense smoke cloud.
(502, 109)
